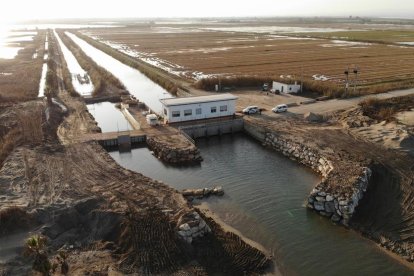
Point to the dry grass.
(23, 84)
(30, 121)
(52, 76)
(381, 67)
(8, 142)
(384, 110)
(152, 74)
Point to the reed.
(147, 70)
(101, 78)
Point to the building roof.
(198, 99)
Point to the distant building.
(285, 88)
(197, 108)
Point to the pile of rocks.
(337, 207)
(327, 200)
(301, 153)
(194, 227)
(201, 193)
(174, 154)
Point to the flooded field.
(201, 50)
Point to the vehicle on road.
(253, 109)
(280, 108)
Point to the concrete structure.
(198, 130)
(285, 88)
(197, 108)
(152, 119)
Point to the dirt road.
(341, 104)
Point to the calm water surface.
(75, 69)
(137, 83)
(109, 117)
(264, 197)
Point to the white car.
(280, 108)
(251, 109)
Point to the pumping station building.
(197, 108)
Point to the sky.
(17, 10)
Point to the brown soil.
(107, 219)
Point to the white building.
(197, 108)
(285, 88)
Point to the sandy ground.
(391, 135)
(264, 100)
(406, 118)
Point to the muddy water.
(109, 118)
(264, 199)
(137, 83)
(75, 69)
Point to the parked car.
(280, 108)
(251, 110)
(265, 87)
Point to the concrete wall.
(205, 111)
(211, 129)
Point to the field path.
(339, 104)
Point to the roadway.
(340, 104)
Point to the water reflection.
(109, 118)
(137, 83)
(264, 197)
(76, 71)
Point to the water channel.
(109, 118)
(265, 194)
(84, 89)
(42, 83)
(136, 83)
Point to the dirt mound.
(15, 219)
(313, 117)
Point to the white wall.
(285, 88)
(205, 111)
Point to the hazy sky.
(45, 9)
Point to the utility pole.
(346, 80)
(301, 79)
(356, 78)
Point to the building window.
(198, 111)
(176, 113)
(188, 112)
(165, 111)
(213, 109)
(223, 108)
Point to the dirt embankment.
(386, 211)
(105, 219)
(115, 219)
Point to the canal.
(264, 200)
(264, 194)
(136, 83)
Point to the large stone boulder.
(313, 117)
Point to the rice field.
(20, 75)
(198, 51)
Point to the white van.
(280, 108)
